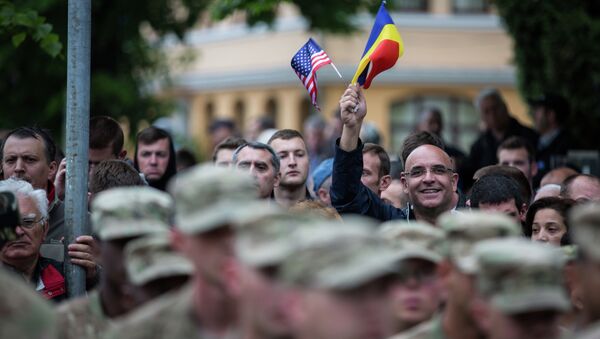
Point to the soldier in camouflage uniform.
(261, 247)
(585, 223)
(210, 201)
(118, 216)
(153, 268)
(463, 230)
(520, 289)
(417, 294)
(339, 284)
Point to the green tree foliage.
(557, 49)
(123, 60)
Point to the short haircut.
(285, 134)
(22, 187)
(259, 146)
(231, 143)
(151, 135)
(113, 173)
(560, 205)
(221, 123)
(106, 132)
(418, 139)
(185, 158)
(384, 159)
(495, 189)
(565, 188)
(509, 171)
(36, 133)
(514, 143)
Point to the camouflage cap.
(517, 275)
(126, 212)
(414, 240)
(151, 257)
(208, 197)
(339, 262)
(463, 230)
(268, 240)
(584, 221)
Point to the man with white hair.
(23, 254)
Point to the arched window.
(460, 119)
(239, 114)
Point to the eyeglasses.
(30, 222)
(437, 170)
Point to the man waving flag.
(306, 62)
(383, 49)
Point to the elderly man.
(119, 215)
(23, 254)
(22, 304)
(457, 270)
(499, 126)
(262, 162)
(428, 176)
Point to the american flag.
(306, 62)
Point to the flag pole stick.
(336, 70)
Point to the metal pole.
(78, 114)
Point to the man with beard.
(155, 157)
(289, 146)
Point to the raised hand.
(353, 106)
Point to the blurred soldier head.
(521, 291)
(585, 224)
(416, 294)
(463, 231)
(341, 284)
(153, 268)
(120, 215)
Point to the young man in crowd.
(155, 156)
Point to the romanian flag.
(383, 49)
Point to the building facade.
(453, 49)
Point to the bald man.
(429, 179)
(557, 176)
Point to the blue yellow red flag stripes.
(306, 62)
(382, 51)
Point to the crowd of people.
(315, 235)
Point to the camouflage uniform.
(24, 314)
(207, 198)
(151, 257)
(585, 225)
(462, 232)
(116, 214)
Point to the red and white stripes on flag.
(305, 63)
